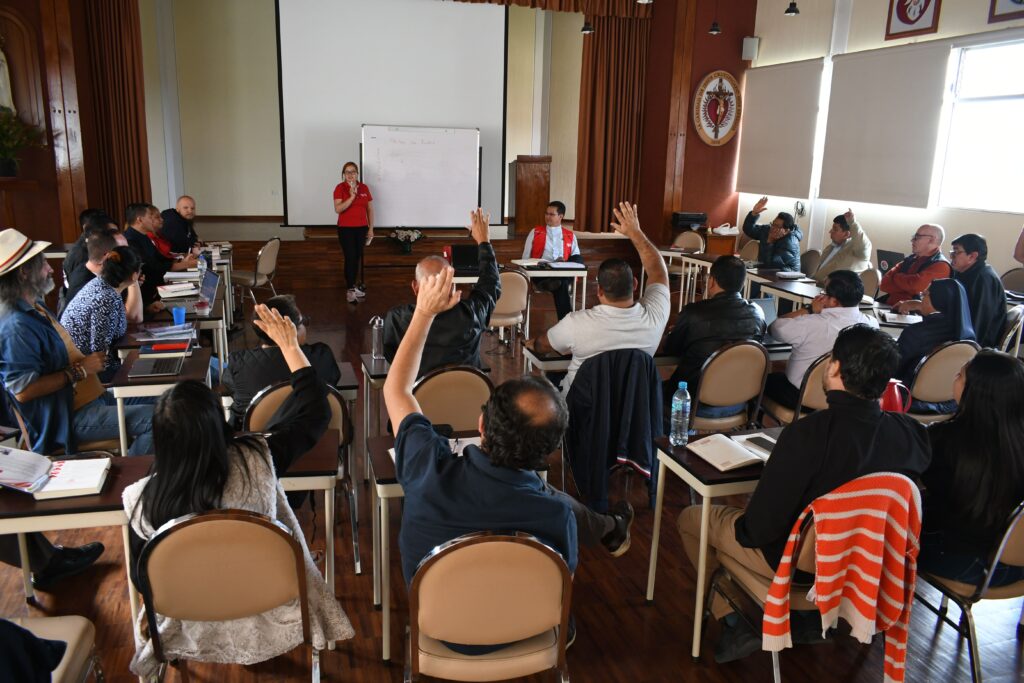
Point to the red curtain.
(592, 8)
(115, 59)
(611, 119)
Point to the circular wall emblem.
(909, 11)
(716, 108)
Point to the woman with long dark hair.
(976, 477)
(200, 465)
(354, 205)
(98, 315)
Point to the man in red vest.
(551, 242)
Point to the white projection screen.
(397, 63)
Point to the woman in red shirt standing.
(354, 205)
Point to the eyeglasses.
(919, 237)
(956, 252)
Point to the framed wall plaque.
(912, 18)
(716, 108)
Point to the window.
(984, 151)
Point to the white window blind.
(883, 122)
(780, 108)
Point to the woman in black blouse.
(976, 477)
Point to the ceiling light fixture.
(715, 28)
(587, 28)
(792, 10)
(644, 2)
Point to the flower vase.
(406, 247)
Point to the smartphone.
(761, 442)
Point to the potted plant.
(405, 237)
(15, 135)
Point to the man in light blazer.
(850, 249)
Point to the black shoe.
(66, 562)
(805, 627)
(617, 540)
(736, 642)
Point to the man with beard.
(53, 386)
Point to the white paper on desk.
(527, 261)
(907, 319)
(23, 470)
(457, 445)
(723, 453)
(566, 265)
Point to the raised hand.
(280, 329)
(759, 207)
(436, 293)
(478, 227)
(849, 216)
(626, 222)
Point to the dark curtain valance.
(626, 9)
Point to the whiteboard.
(421, 177)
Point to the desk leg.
(329, 534)
(684, 282)
(222, 330)
(385, 577)
(133, 595)
(656, 533)
(375, 533)
(583, 294)
(366, 428)
(529, 300)
(122, 428)
(702, 567)
(26, 570)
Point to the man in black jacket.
(141, 221)
(779, 242)
(985, 292)
(454, 338)
(813, 456)
(178, 228)
(249, 371)
(705, 326)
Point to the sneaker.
(736, 642)
(617, 540)
(360, 293)
(66, 562)
(351, 296)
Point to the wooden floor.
(620, 637)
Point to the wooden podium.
(529, 192)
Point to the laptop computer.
(770, 307)
(465, 259)
(156, 367)
(207, 292)
(888, 259)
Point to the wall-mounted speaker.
(750, 45)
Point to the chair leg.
(1020, 624)
(316, 665)
(564, 675)
(182, 668)
(407, 675)
(972, 645)
(944, 604)
(97, 667)
(776, 670)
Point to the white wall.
(785, 39)
(225, 58)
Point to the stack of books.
(35, 474)
(167, 341)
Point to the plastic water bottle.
(201, 267)
(680, 416)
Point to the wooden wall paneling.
(533, 192)
(682, 77)
(67, 140)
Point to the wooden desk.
(211, 320)
(21, 514)
(196, 367)
(130, 341)
(534, 273)
(706, 480)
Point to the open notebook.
(726, 453)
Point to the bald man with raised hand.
(912, 275)
(455, 335)
(178, 228)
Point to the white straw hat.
(16, 249)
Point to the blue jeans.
(936, 558)
(97, 421)
(720, 411)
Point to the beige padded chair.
(933, 378)
(809, 261)
(453, 598)
(733, 374)
(1009, 552)
(510, 309)
(263, 275)
(689, 240)
(1014, 279)
(871, 279)
(812, 394)
(453, 395)
(222, 565)
(1010, 341)
(750, 251)
(80, 659)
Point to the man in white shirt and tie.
(551, 242)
